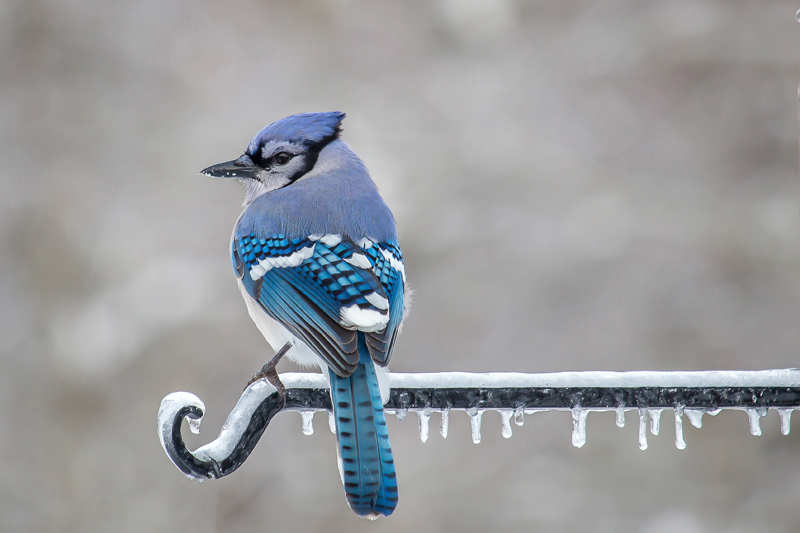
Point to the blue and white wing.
(387, 264)
(324, 290)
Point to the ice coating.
(443, 428)
(331, 422)
(695, 417)
(789, 377)
(308, 422)
(579, 426)
(642, 429)
(519, 415)
(424, 423)
(786, 420)
(655, 419)
(181, 406)
(679, 442)
(171, 405)
(234, 426)
(505, 420)
(755, 422)
(475, 416)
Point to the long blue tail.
(370, 482)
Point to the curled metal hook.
(260, 402)
(243, 428)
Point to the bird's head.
(281, 153)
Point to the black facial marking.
(309, 161)
(256, 158)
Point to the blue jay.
(320, 269)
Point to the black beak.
(239, 168)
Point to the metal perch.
(512, 394)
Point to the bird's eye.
(281, 158)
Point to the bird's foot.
(269, 372)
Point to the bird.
(320, 268)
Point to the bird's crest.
(310, 129)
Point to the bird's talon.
(270, 373)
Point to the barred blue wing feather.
(387, 261)
(323, 289)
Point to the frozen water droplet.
(475, 421)
(194, 424)
(755, 422)
(786, 420)
(655, 419)
(445, 422)
(620, 416)
(401, 413)
(505, 420)
(424, 423)
(642, 429)
(695, 417)
(308, 425)
(714, 412)
(331, 422)
(519, 416)
(797, 16)
(679, 442)
(579, 426)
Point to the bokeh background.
(578, 186)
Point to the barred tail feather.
(368, 473)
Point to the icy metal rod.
(458, 390)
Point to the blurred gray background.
(577, 186)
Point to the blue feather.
(368, 472)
